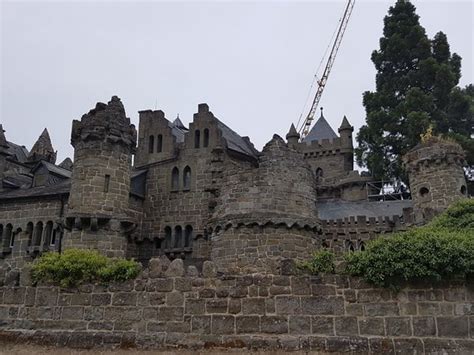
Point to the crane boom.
(304, 129)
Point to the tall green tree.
(415, 88)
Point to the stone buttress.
(97, 218)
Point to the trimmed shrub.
(76, 266)
(441, 250)
(322, 261)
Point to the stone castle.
(218, 226)
(204, 192)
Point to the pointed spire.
(321, 130)
(292, 133)
(345, 125)
(66, 164)
(3, 140)
(43, 149)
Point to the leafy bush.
(441, 250)
(322, 261)
(76, 266)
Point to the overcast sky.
(252, 62)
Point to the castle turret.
(103, 141)
(42, 149)
(435, 172)
(345, 132)
(292, 136)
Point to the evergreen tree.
(415, 88)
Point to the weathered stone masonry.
(256, 311)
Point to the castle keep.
(203, 192)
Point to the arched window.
(361, 246)
(37, 234)
(197, 138)
(424, 191)
(187, 178)
(188, 236)
(48, 231)
(29, 231)
(319, 173)
(205, 142)
(175, 179)
(167, 242)
(7, 235)
(178, 237)
(151, 143)
(349, 245)
(159, 143)
(464, 190)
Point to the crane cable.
(342, 25)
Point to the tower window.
(424, 191)
(151, 143)
(178, 237)
(167, 242)
(8, 235)
(319, 173)
(175, 179)
(197, 138)
(159, 143)
(205, 143)
(188, 236)
(106, 183)
(463, 189)
(187, 178)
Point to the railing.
(386, 191)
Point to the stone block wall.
(288, 312)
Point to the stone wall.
(169, 310)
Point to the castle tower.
(435, 172)
(42, 149)
(292, 136)
(266, 214)
(345, 132)
(103, 141)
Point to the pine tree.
(415, 88)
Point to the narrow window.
(197, 138)
(178, 237)
(188, 236)
(464, 190)
(205, 143)
(1, 233)
(362, 246)
(37, 234)
(48, 231)
(187, 178)
(7, 235)
(349, 245)
(159, 143)
(106, 183)
(53, 238)
(319, 173)
(29, 231)
(175, 179)
(151, 143)
(167, 242)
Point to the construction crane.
(306, 125)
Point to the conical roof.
(292, 133)
(345, 123)
(321, 130)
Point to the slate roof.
(53, 169)
(18, 181)
(19, 153)
(236, 142)
(60, 188)
(321, 130)
(177, 132)
(342, 209)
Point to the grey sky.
(252, 62)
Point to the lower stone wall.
(289, 312)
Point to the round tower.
(436, 175)
(266, 214)
(103, 141)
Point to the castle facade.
(204, 192)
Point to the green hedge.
(76, 266)
(441, 250)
